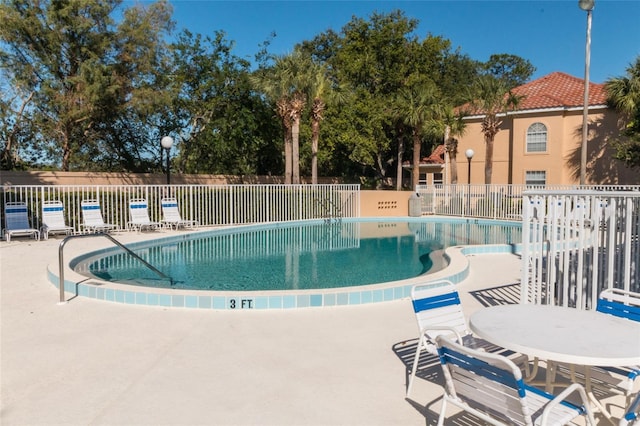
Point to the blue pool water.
(300, 256)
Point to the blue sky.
(550, 34)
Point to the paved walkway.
(90, 362)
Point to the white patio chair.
(491, 387)
(139, 215)
(624, 380)
(439, 312)
(171, 215)
(92, 217)
(16, 221)
(632, 415)
(53, 221)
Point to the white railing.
(577, 243)
(210, 205)
(489, 201)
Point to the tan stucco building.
(540, 141)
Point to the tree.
(492, 98)
(319, 87)
(222, 125)
(453, 126)
(284, 84)
(90, 79)
(416, 106)
(512, 69)
(623, 94)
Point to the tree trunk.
(488, 161)
(415, 175)
(315, 136)
(400, 154)
(288, 149)
(295, 150)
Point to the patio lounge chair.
(491, 387)
(92, 217)
(171, 215)
(53, 219)
(16, 221)
(439, 312)
(139, 215)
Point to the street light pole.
(469, 154)
(586, 5)
(166, 142)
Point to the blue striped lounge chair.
(16, 221)
(53, 221)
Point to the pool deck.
(104, 363)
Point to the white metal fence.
(577, 243)
(489, 201)
(210, 205)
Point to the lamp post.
(586, 5)
(469, 154)
(166, 143)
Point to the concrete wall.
(384, 203)
(95, 178)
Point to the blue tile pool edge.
(457, 269)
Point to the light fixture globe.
(586, 5)
(469, 153)
(166, 142)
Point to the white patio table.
(559, 334)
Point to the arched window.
(537, 138)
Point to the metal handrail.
(113, 240)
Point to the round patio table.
(560, 334)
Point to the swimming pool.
(288, 265)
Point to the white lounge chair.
(16, 221)
(439, 312)
(491, 387)
(139, 215)
(171, 215)
(92, 217)
(53, 221)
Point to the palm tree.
(453, 126)
(493, 98)
(284, 85)
(416, 107)
(319, 88)
(623, 94)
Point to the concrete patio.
(101, 363)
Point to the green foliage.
(90, 85)
(511, 69)
(624, 95)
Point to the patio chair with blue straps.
(171, 215)
(139, 215)
(16, 221)
(92, 217)
(632, 414)
(624, 380)
(439, 311)
(491, 387)
(53, 221)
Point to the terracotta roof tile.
(436, 157)
(556, 90)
